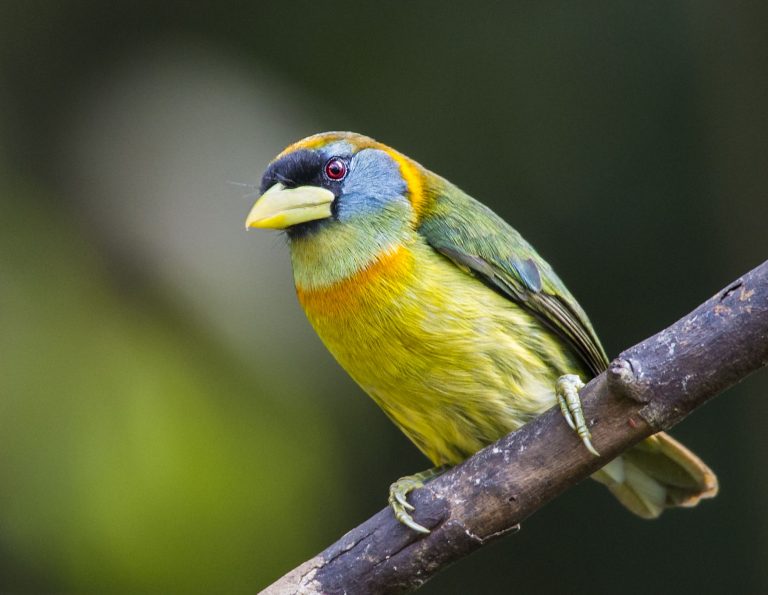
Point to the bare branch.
(649, 387)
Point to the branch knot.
(624, 381)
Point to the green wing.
(481, 243)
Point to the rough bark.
(648, 388)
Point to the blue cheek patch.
(373, 184)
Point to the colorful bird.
(444, 314)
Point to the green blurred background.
(168, 420)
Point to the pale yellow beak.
(280, 207)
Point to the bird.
(445, 315)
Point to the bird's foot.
(401, 488)
(567, 390)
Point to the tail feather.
(656, 474)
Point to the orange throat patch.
(380, 281)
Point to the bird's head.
(338, 179)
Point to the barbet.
(444, 314)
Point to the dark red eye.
(335, 169)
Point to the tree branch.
(648, 388)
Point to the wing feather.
(482, 244)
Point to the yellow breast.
(454, 364)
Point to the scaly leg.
(567, 390)
(400, 489)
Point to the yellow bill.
(281, 207)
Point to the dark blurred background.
(168, 420)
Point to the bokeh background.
(168, 420)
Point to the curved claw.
(398, 492)
(400, 506)
(588, 444)
(408, 521)
(400, 497)
(567, 391)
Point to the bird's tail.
(656, 474)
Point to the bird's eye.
(336, 168)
